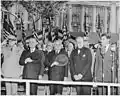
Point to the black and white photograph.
(53, 47)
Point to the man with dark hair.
(32, 60)
(103, 64)
(80, 64)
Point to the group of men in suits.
(56, 60)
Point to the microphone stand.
(102, 54)
(112, 71)
(94, 89)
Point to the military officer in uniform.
(80, 63)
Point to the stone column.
(57, 20)
(118, 31)
(25, 19)
(113, 19)
(94, 19)
(40, 24)
(12, 18)
(119, 59)
(82, 19)
(62, 14)
(70, 18)
(105, 22)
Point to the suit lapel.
(107, 54)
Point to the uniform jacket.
(56, 73)
(81, 63)
(10, 66)
(107, 65)
(34, 68)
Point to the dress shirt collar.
(32, 50)
(106, 47)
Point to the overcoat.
(36, 67)
(56, 73)
(81, 63)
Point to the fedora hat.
(62, 59)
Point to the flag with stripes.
(7, 25)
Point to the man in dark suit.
(57, 66)
(80, 63)
(32, 60)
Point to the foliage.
(45, 9)
(7, 4)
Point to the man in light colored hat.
(10, 66)
(80, 64)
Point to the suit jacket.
(56, 73)
(107, 64)
(36, 67)
(81, 63)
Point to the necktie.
(79, 51)
(57, 52)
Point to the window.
(18, 26)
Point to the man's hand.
(40, 77)
(65, 78)
(76, 77)
(4, 42)
(80, 76)
(54, 63)
(28, 60)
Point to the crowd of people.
(58, 60)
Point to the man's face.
(70, 46)
(32, 43)
(58, 45)
(79, 41)
(49, 46)
(27, 42)
(104, 41)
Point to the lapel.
(31, 54)
(108, 53)
(80, 55)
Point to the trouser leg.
(83, 90)
(86, 90)
(52, 89)
(33, 89)
(59, 89)
(79, 90)
(102, 90)
(14, 88)
(8, 88)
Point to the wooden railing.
(62, 83)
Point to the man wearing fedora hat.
(57, 66)
(80, 63)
